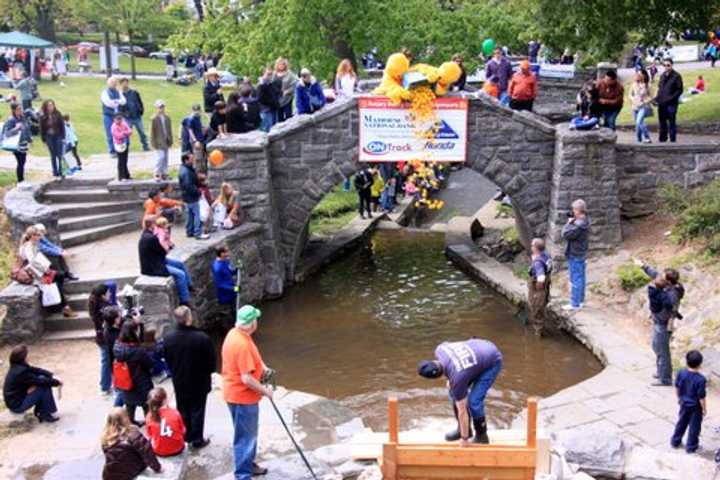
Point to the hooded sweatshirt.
(577, 234)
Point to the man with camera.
(190, 354)
(242, 371)
(576, 233)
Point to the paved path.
(628, 136)
(620, 397)
(95, 165)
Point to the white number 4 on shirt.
(165, 430)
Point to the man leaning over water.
(471, 367)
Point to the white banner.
(388, 134)
(553, 70)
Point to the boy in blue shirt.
(690, 384)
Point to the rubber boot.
(455, 434)
(481, 435)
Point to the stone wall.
(24, 210)
(158, 294)
(21, 318)
(641, 168)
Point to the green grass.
(333, 212)
(328, 226)
(631, 277)
(80, 97)
(142, 64)
(698, 108)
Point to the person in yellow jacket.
(376, 189)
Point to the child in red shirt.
(164, 425)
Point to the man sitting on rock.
(153, 262)
(471, 368)
(156, 205)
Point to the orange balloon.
(217, 158)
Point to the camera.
(130, 299)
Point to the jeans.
(576, 268)
(119, 400)
(56, 146)
(138, 124)
(504, 98)
(526, 105)
(641, 130)
(192, 411)
(609, 119)
(20, 157)
(284, 113)
(245, 422)
(42, 399)
(479, 390)
(193, 224)
(267, 120)
(107, 123)
(661, 347)
(161, 162)
(666, 118)
(364, 202)
(122, 164)
(26, 104)
(179, 272)
(692, 417)
(105, 369)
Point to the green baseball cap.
(246, 315)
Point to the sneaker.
(203, 236)
(661, 384)
(105, 393)
(71, 276)
(647, 140)
(200, 444)
(258, 470)
(570, 308)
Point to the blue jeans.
(245, 422)
(105, 369)
(107, 123)
(576, 268)
(267, 120)
(688, 417)
(56, 146)
(479, 390)
(138, 124)
(641, 130)
(661, 347)
(667, 116)
(181, 276)
(119, 400)
(284, 112)
(504, 98)
(42, 399)
(193, 225)
(609, 119)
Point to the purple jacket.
(503, 71)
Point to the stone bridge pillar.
(584, 167)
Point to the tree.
(34, 15)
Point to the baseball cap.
(246, 315)
(159, 103)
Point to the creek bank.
(612, 424)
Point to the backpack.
(122, 380)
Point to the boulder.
(333, 455)
(351, 469)
(598, 452)
(644, 463)
(371, 473)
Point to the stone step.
(87, 235)
(86, 284)
(99, 220)
(68, 210)
(79, 182)
(74, 196)
(76, 334)
(77, 301)
(57, 322)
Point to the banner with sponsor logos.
(388, 134)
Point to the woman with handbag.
(641, 98)
(52, 132)
(16, 138)
(36, 266)
(132, 358)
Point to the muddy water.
(356, 331)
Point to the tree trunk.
(132, 55)
(343, 50)
(199, 9)
(108, 60)
(45, 22)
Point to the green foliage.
(672, 198)
(335, 203)
(631, 277)
(511, 236)
(700, 215)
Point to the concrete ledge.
(23, 210)
(173, 468)
(600, 135)
(300, 122)
(22, 313)
(158, 296)
(246, 142)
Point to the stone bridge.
(282, 176)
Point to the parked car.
(137, 50)
(160, 55)
(92, 46)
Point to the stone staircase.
(90, 212)
(57, 327)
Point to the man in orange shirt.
(523, 88)
(242, 368)
(157, 205)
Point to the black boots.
(455, 434)
(481, 435)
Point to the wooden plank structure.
(447, 461)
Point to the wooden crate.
(448, 461)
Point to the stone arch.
(284, 174)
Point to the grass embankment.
(80, 97)
(333, 212)
(696, 108)
(7, 247)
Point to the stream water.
(356, 331)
